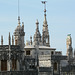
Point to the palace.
(36, 57)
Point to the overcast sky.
(60, 17)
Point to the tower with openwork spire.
(45, 32)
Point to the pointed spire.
(9, 39)
(37, 35)
(30, 40)
(12, 40)
(45, 34)
(1, 40)
(45, 20)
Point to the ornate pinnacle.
(9, 39)
(1, 40)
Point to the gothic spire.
(12, 40)
(9, 39)
(1, 40)
(30, 40)
(37, 35)
(45, 33)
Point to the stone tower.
(37, 35)
(69, 45)
(19, 35)
(45, 32)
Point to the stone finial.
(1, 40)
(12, 40)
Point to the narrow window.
(27, 52)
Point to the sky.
(60, 18)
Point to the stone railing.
(19, 73)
